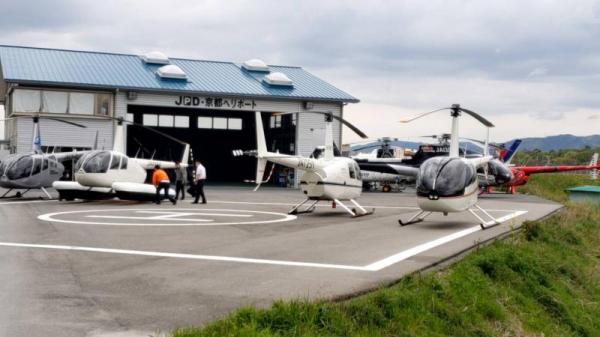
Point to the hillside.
(558, 142)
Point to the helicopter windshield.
(444, 177)
(95, 162)
(318, 152)
(21, 168)
(501, 173)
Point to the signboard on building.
(216, 103)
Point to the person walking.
(180, 180)
(199, 178)
(160, 180)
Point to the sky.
(531, 67)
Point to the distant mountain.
(559, 142)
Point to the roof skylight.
(171, 71)
(255, 65)
(278, 79)
(155, 57)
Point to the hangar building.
(208, 104)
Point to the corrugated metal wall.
(55, 133)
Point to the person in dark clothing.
(199, 178)
(180, 180)
(160, 180)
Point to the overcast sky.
(532, 67)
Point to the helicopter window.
(2, 168)
(20, 169)
(351, 171)
(45, 164)
(124, 163)
(116, 161)
(97, 162)
(357, 170)
(52, 162)
(37, 166)
(317, 152)
(79, 162)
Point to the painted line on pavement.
(373, 267)
(26, 202)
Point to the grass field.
(541, 281)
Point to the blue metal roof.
(106, 70)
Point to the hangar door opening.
(212, 135)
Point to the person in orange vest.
(160, 180)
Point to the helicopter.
(326, 177)
(34, 170)
(104, 174)
(448, 184)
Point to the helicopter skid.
(353, 212)
(137, 191)
(71, 190)
(483, 223)
(415, 218)
(296, 209)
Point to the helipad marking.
(172, 216)
(373, 267)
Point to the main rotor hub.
(455, 110)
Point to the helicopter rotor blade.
(343, 121)
(478, 117)
(65, 121)
(122, 120)
(46, 117)
(351, 127)
(421, 115)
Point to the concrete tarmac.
(117, 268)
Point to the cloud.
(541, 71)
(534, 59)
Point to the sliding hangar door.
(212, 135)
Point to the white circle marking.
(282, 217)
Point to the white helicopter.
(326, 177)
(104, 174)
(448, 184)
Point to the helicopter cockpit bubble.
(94, 162)
(444, 177)
(20, 168)
(502, 174)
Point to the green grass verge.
(541, 281)
(552, 185)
